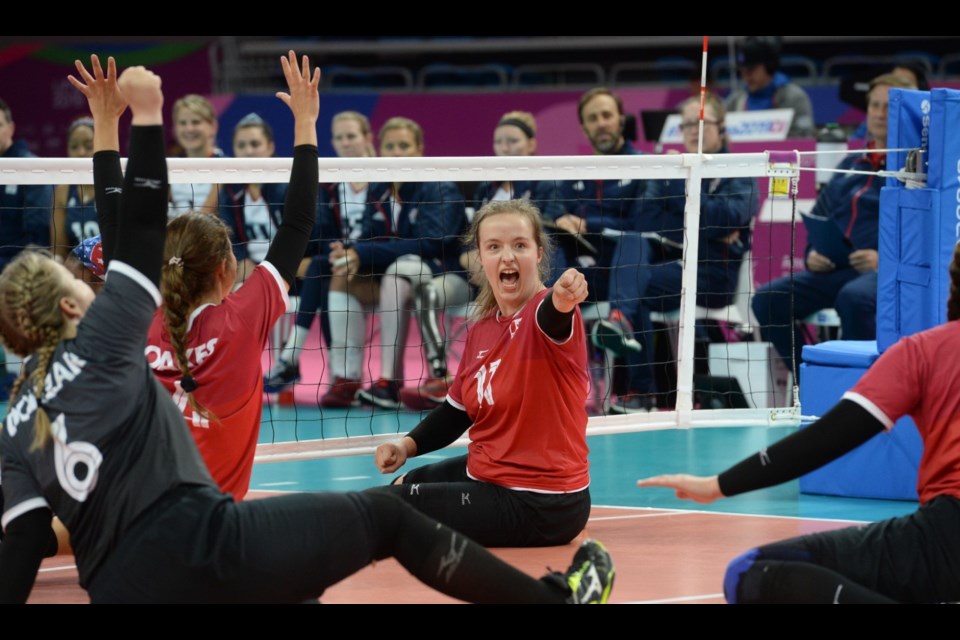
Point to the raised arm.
(300, 206)
(107, 104)
(143, 226)
(842, 429)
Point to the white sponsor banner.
(742, 126)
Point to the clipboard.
(828, 239)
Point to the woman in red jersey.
(915, 558)
(206, 340)
(521, 390)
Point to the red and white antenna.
(703, 93)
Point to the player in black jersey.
(93, 437)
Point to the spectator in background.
(599, 210)
(74, 211)
(340, 210)
(913, 73)
(195, 128)
(411, 237)
(252, 212)
(649, 266)
(514, 135)
(853, 202)
(765, 87)
(24, 219)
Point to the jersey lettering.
(61, 373)
(182, 400)
(20, 412)
(160, 360)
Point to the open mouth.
(509, 278)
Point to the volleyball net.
(682, 256)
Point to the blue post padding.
(919, 227)
(910, 294)
(908, 126)
(885, 466)
(944, 177)
(737, 567)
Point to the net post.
(688, 289)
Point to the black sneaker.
(281, 376)
(382, 393)
(590, 576)
(615, 334)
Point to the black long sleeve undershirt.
(107, 188)
(142, 229)
(555, 324)
(24, 546)
(842, 429)
(299, 213)
(441, 427)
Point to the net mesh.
(679, 259)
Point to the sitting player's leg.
(906, 559)
(492, 515)
(449, 562)
(753, 579)
(291, 548)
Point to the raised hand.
(569, 290)
(101, 91)
(141, 88)
(697, 488)
(303, 97)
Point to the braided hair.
(32, 323)
(197, 245)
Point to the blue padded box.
(883, 467)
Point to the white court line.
(642, 515)
(66, 568)
(732, 514)
(705, 596)
(350, 478)
(279, 484)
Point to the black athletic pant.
(197, 545)
(490, 514)
(911, 559)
